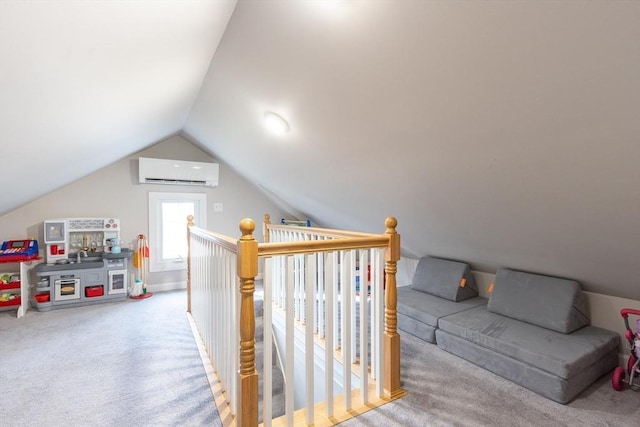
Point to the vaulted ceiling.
(84, 84)
(499, 133)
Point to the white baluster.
(379, 322)
(289, 337)
(364, 334)
(346, 273)
(332, 277)
(352, 300)
(321, 295)
(310, 275)
(335, 282)
(268, 353)
(233, 286)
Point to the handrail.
(219, 239)
(247, 252)
(311, 246)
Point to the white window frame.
(156, 263)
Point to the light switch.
(217, 207)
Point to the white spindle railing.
(310, 276)
(214, 305)
(311, 287)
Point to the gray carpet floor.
(130, 363)
(135, 363)
(445, 390)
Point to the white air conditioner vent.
(177, 172)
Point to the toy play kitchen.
(84, 263)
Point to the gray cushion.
(564, 355)
(414, 327)
(441, 277)
(561, 390)
(427, 308)
(550, 302)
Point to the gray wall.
(114, 192)
(499, 133)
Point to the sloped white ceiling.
(83, 84)
(499, 133)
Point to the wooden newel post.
(248, 376)
(391, 341)
(190, 224)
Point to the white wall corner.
(406, 269)
(483, 280)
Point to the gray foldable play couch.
(534, 331)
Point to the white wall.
(114, 192)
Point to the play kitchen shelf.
(14, 285)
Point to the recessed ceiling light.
(275, 123)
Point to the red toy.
(633, 364)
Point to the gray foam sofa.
(534, 330)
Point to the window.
(168, 227)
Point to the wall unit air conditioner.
(177, 172)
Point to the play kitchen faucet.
(78, 255)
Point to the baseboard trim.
(169, 286)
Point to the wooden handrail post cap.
(247, 250)
(391, 223)
(247, 227)
(393, 249)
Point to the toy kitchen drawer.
(120, 263)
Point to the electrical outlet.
(217, 207)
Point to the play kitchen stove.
(84, 263)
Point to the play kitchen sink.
(75, 262)
(83, 260)
(74, 265)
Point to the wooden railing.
(322, 293)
